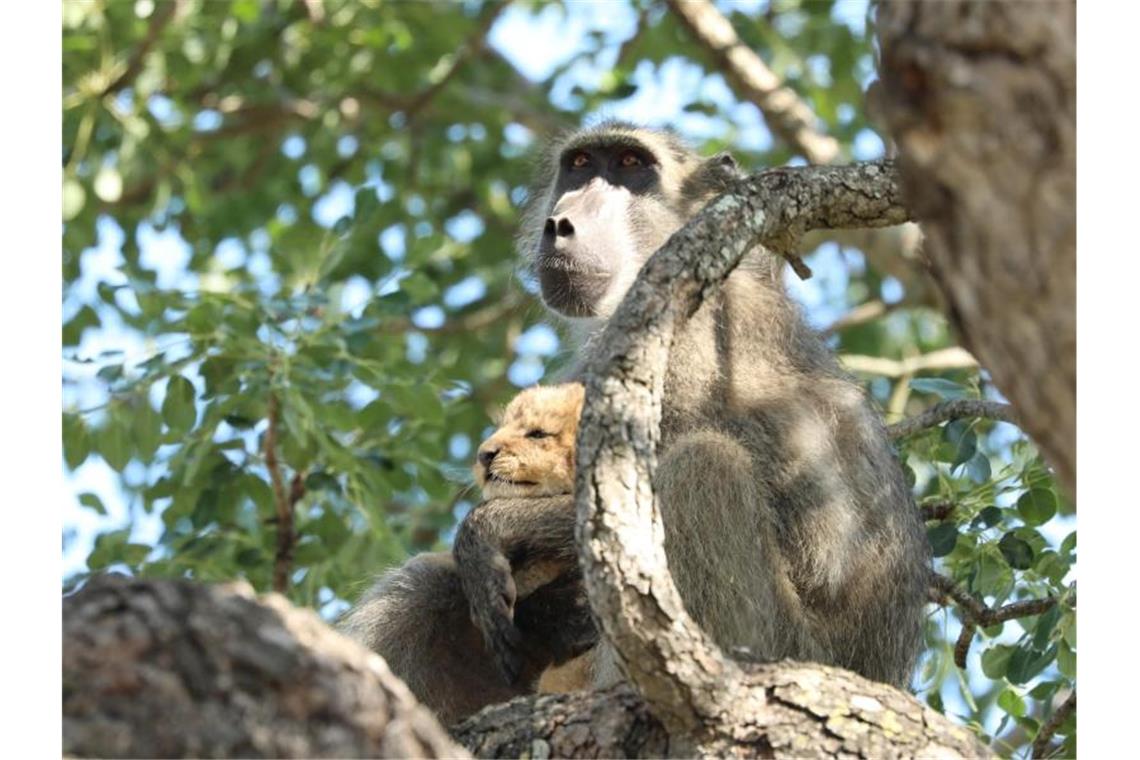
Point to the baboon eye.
(629, 159)
(538, 434)
(580, 160)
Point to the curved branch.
(975, 614)
(952, 410)
(681, 673)
(788, 116)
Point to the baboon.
(789, 527)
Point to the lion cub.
(526, 472)
(532, 452)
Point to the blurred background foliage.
(300, 214)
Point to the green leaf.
(1026, 663)
(146, 428)
(942, 537)
(114, 444)
(959, 443)
(995, 661)
(76, 440)
(1011, 702)
(978, 468)
(1045, 625)
(419, 287)
(1037, 506)
(993, 577)
(1066, 661)
(91, 501)
(178, 407)
(987, 518)
(1017, 552)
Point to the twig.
(946, 358)
(952, 410)
(460, 60)
(1060, 715)
(936, 510)
(975, 614)
(161, 18)
(861, 314)
(283, 560)
(789, 117)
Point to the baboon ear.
(726, 160)
(714, 176)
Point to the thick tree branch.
(788, 116)
(808, 710)
(689, 684)
(952, 410)
(175, 669)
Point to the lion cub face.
(532, 452)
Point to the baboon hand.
(493, 612)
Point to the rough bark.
(805, 711)
(981, 99)
(175, 669)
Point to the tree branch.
(975, 614)
(162, 16)
(170, 668)
(894, 251)
(952, 410)
(788, 116)
(1045, 735)
(283, 560)
(945, 358)
(688, 682)
(936, 510)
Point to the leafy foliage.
(315, 205)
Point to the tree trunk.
(981, 99)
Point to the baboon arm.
(539, 528)
(509, 550)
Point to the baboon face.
(616, 194)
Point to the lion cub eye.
(538, 434)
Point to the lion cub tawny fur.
(532, 451)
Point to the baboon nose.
(488, 456)
(560, 227)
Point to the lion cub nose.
(487, 456)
